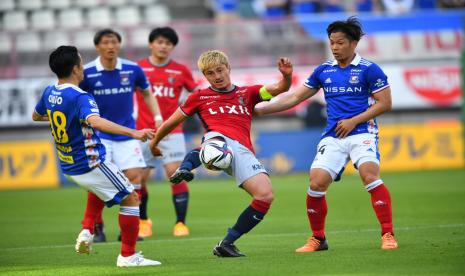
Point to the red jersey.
(167, 83)
(229, 113)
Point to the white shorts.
(245, 164)
(172, 146)
(125, 154)
(106, 181)
(334, 153)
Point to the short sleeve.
(189, 82)
(314, 80)
(87, 106)
(40, 108)
(191, 105)
(376, 78)
(141, 80)
(254, 94)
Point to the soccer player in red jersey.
(167, 78)
(226, 113)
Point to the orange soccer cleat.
(388, 241)
(180, 229)
(145, 228)
(313, 244)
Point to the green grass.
(38, 229)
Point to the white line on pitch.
(405, 228)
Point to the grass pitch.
(39, 227)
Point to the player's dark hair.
(98, 35)
(351, 28)
(63, 59)
(166, 32)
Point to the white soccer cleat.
(84, 242)
(137, 259)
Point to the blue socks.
(191, 160)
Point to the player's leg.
(173, 147)
(93, 202)
(134, 176)
(259, 187)
(184, 173)
(252, 177)
(180, 197)
(365, 156)
(191, 161)
(317, 209)
(128, 217)
(145, 224)
(327, 166)
(127, 155)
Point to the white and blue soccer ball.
(216, 155)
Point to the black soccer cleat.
(227, 250)
(181, 174)
(99, 233)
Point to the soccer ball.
(216, 155)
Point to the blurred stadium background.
(417, 42)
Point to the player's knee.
(368, 178)
(266, 196)
(135, 179)
(318, 184)
(131, 200)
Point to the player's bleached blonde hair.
(211, 59)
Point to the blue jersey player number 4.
(356, 91)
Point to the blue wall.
(315, 25)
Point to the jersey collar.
(354, 62)
(68, 85)
(99, 66)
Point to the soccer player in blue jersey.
(113, 81)
(356, 91)
(74, 116)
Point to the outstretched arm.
(104, 125)
(173, 121)
(383, 104)
(286, 68)
(153, 106)
(288, 101)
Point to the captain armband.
(264, 94)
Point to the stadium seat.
(70, 18)
(86, 3)
(7, 5)
(140, 37)
(84, 40)
(54, 39)
(15, 21)
(99, 17)
(127, 16)
(30, 4)
(157, 15)
(115, 3)
(42, 20)
(57, 4)
(28, 42)
(143, 2)
(5, 43)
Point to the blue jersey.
(114, 91)
(68, 107)
(348, 91)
